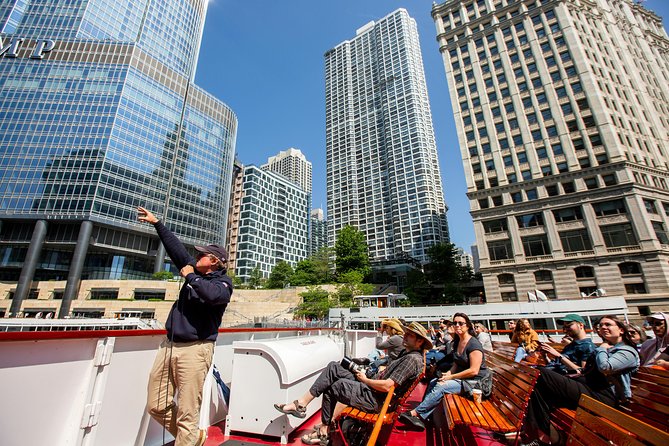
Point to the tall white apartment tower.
(382, 167)
(292, 164)
(562, 112)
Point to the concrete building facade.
(292, 164)
(563, 120)
(383, 173)
(273, 224)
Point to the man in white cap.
(340, 387)
(652, 348)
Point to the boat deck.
(433, 436)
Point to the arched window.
(506, 279)
(584, 272)
(543, 276)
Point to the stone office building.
(563, 120)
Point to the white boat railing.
(89, 387)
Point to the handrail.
(82, 334)
(382, 415)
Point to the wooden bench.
(385, 418)
(508, 350)
(597, 424)
(505, 410)
(649, 402)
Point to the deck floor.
(434, 436)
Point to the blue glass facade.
(107, 120)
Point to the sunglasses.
(656, 323)
(633, 333)
(459, 323)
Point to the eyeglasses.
(459, 323)
(656, 323)
(633, 333)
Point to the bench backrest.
(650, 397)
(512, 386)
(597, 424)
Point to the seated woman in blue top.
(606, 377)
(468, 364)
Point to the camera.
(351, 366)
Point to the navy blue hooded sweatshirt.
(197, 314)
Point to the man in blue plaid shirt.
(341, 387)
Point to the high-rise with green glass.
(99, 114)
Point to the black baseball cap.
(217, 250)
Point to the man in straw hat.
(341, 387)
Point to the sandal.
(299, 411)
(315, 437)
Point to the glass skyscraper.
(99, 114)
(383, 173)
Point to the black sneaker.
(416, 422)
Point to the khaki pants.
(180, 366)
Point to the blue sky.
(264, 59)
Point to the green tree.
(255, 278)
(281, 275)
(352, 252)
(351, 285)
(417, 288)
(236, 281)
(305, 273)
(445, 272)
(322, 260)
(163, 275)
(315, 303)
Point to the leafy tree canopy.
(351, 252)
(281, 275)
(163, 275)
(315, 304)
(305, 273)
(255, 278)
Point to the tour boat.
(88, 387)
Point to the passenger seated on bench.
(527, 339)
(606, 377)
(650, 350)
(637, 335)
(392, 346)
(483, 336)
(576, 353)
(469, 365)
(512, 327)
(441, 356)
(663, 360)
(341, 387)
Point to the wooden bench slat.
(505, 409)
(594, 418)
(649, 403)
